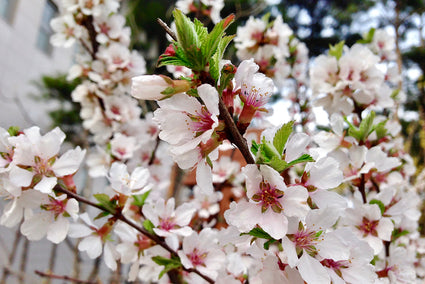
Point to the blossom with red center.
(189, 126)
(268, 196)
(200, 251)
(266, 189)
(169, 222)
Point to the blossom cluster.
(333, 206)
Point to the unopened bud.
(157, 87)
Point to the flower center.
(55, 206)
(368, 227)
(268, 196)
(306, 240)
(167, 224)
(197, 258)
(200, 121)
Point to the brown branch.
(88, 24)
(122, 218)
(362, 188)
(24, 260)
(12, 255)
(63, 277)
(167, 29)
(153, 155)
(233, 132)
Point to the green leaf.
(168, 263)
(200, 30)
(379, 203)
(337, 49)
(218, 55)
(255, 147)
(101, 215)
(302, 159)
(258, 233)
(364, 129)
(105, 202)
(268, 243)
(13, 130)
(278, 164)
(282, 135)
(186, 31)
(148, 225)
(188, 41)
(397, 233)
(380, 129)
(368, 38)
(139, 200)
(212, 41)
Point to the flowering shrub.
(330, 206)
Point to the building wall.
(21, 62)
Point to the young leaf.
(368, 38)
(139, 200)
(278, 164)
(13, 130)
(336, 50)
(212, 41)
(379, 203)
(303, 159)
(218, 55)
(282, 135)
(168, 263)
(148, 225)
(258, 233)
(105, 202)
(255, 147)
(380, 129)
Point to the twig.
(235, 136)
(12, 255)
(63, 277)
(24, 258)
(362, 188)
(52, 260)
(122, 218)
(152, 158)
(167, 29)
(88, 23)
(95, 270)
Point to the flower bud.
(157, 87)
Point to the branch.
(235, 136)
(63, 277)
(167, 29)
(362, 188)
(122, 218)
(88, 24)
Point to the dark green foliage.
(67, 115)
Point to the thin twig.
(52, 260)
(167, 29)
(153, 155)
(24, 259)
(12, 255)
(122, 218)
(63, 277)
(235, 136)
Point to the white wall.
(21, 61)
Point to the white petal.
(92, 245)
(295, 146)
(46, 184)
(69, 162)
(312, 271)
(204, 177)
(20, 177)
(57, 230)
